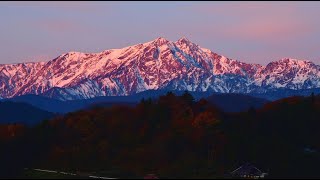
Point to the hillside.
(236, 102)
(13, 112)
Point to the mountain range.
(156, 65)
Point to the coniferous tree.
(170, 93)
(142, 101)
(188, 98)
(312, 98)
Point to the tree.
(188, 98)
(252, 117)
(142, 101)
(208, 122)
(170, 94)
(201, 105)
(312, 97)
(149, 101)
(167, 99)
(252, 111)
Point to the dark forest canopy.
(172, 136)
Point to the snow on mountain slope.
(158, 64)
(289, 73)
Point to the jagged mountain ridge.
(156, 65)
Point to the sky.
(253, 32)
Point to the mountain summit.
(156, 65)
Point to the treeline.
(172, 136)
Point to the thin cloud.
(261, 21)
(57, 25)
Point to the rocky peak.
(184, 40)
(160, 41)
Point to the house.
(248, 171)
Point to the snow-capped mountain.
(159, 64)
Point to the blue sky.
(254, 32)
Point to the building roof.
(247, 169)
